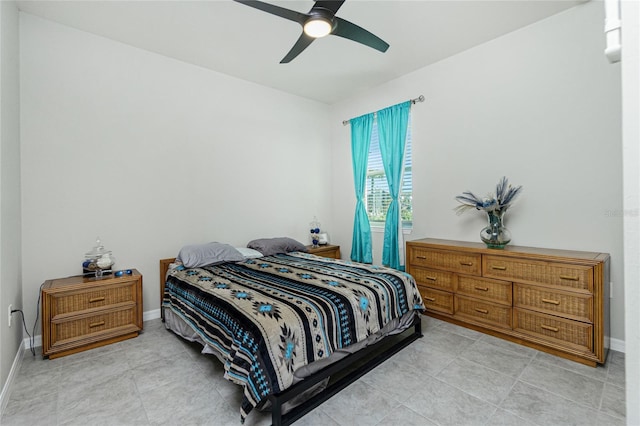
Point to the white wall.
(150, 153)
(541, 106)
(10, 268)
(631, 154)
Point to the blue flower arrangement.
(498, 202)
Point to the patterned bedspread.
(272, 315)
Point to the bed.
(285, 325)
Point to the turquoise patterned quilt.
(270, 316)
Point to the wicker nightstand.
(326, 250)
(80, 313)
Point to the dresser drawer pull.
(548, 327)
(482, 288)
(553, 302)
(482, 311)
(466, 263)
(96, 299)
(421, 257)
(96, 324)
(430, 299)
(499, 268)
(430, 278)
(569, 277)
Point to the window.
(377, 190)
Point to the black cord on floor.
(32, 336)
(24, 324)
(32, 341)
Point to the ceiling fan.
(319, 22)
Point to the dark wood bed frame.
(349, 369)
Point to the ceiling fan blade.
(303, 42)
(353, 32)
(282, 12)
(331, 6)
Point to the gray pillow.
(269, 246)
(197, 255)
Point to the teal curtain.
(392, 134)
(360, 140)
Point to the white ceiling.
(240, 41)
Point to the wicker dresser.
(553, 300)
(80, 313)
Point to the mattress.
(274, 320)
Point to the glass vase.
(315, 232)
(495, 235)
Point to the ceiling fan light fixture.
(317, 27)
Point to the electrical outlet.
(10, 309)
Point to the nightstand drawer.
(436, 300)
(80, 300)
(89, 326)
(328, 250)
(577, 306)
(539, 272)
(486, 312)
(433, 278)
(489, 290)
(441, 259)
(572, 334)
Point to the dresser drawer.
(436, 300)
(531, 271)
(572, 334)
(486, 312)
(467, 263)
(577, 306)
(89, 326)
(489, 290)
(80, 300)
(433, 278)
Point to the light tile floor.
(452, 376)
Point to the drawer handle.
(431, 278)
(548, 327)
(421, 257)
(569, 277)
(430, 299)
(482, 311)
(553, 302)
(466, 263)
(482, 288)
(96, 299)
(499, 268)
(96, 324)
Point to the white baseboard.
(150, 315)
(617, 345)
(37, 341)
(15, 367)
